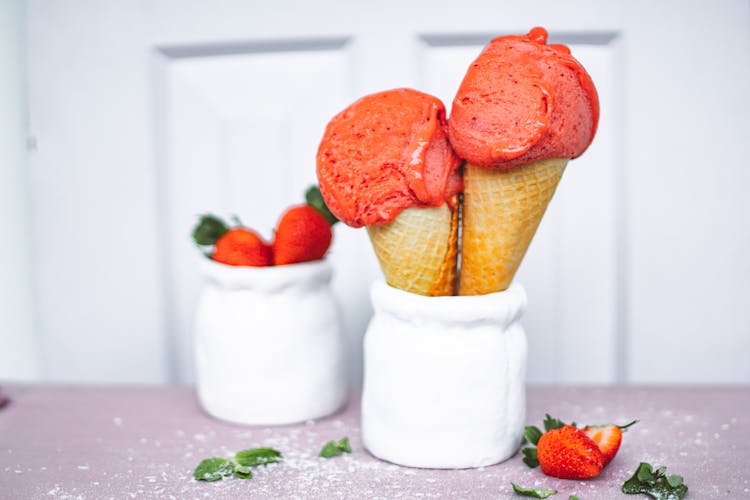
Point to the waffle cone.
(501, 211)
(418, 249)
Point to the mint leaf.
(533, 492)
(552, 423)
(657, 485)
(258, 456)
(674, 481)
(208, 230)
(314, 198)
(529, 457)
(333, 449)
(644, 473)
(212, 469)
(242, 472)
(344, 445)
(532, 434)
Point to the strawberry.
(607, 438)
(302, 234)
(242, 247)
(568, 453)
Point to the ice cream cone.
(418, 250)
(501, 211)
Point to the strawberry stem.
(314, 198)
(236, 220)
(625, 427)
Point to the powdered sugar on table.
(98, 443)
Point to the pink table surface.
(124, 442)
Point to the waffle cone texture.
(501, 212)
(418, 250)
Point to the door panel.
(145, 115)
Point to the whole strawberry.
(237, 246)
(304, 231)
(242, 247)
(302, 235)
(568, 453)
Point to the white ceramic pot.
(268, 345)
(444, 378)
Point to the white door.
(145, 114)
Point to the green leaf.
(552, 423)
(333, 449)
(258, 456)
(645, 473)
(658, 486)
(242, 472)
(674, 480)
(533, 492)
(344, 445)
(532, 434)
(213, 469)
(314, 198)
(529, 457)
(330, 450)
(208, 230)
(573, 497)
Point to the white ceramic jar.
(444, 383)
(268, 345)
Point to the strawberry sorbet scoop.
(522, 111)
(385, 162)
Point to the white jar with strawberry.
(269, 349)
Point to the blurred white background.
(121, 121)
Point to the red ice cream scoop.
(384, 153)
(522, 101)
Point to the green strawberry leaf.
(532, 434)
(552, 423)
(529, 457)
(258, 456)
(314, 198)
(656, 485)
(533, 492)
(333, 449)
(208, 230)
(213, 469)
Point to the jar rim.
(267, 278)
(504, 307)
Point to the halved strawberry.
(568, 453)
(607, 438)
